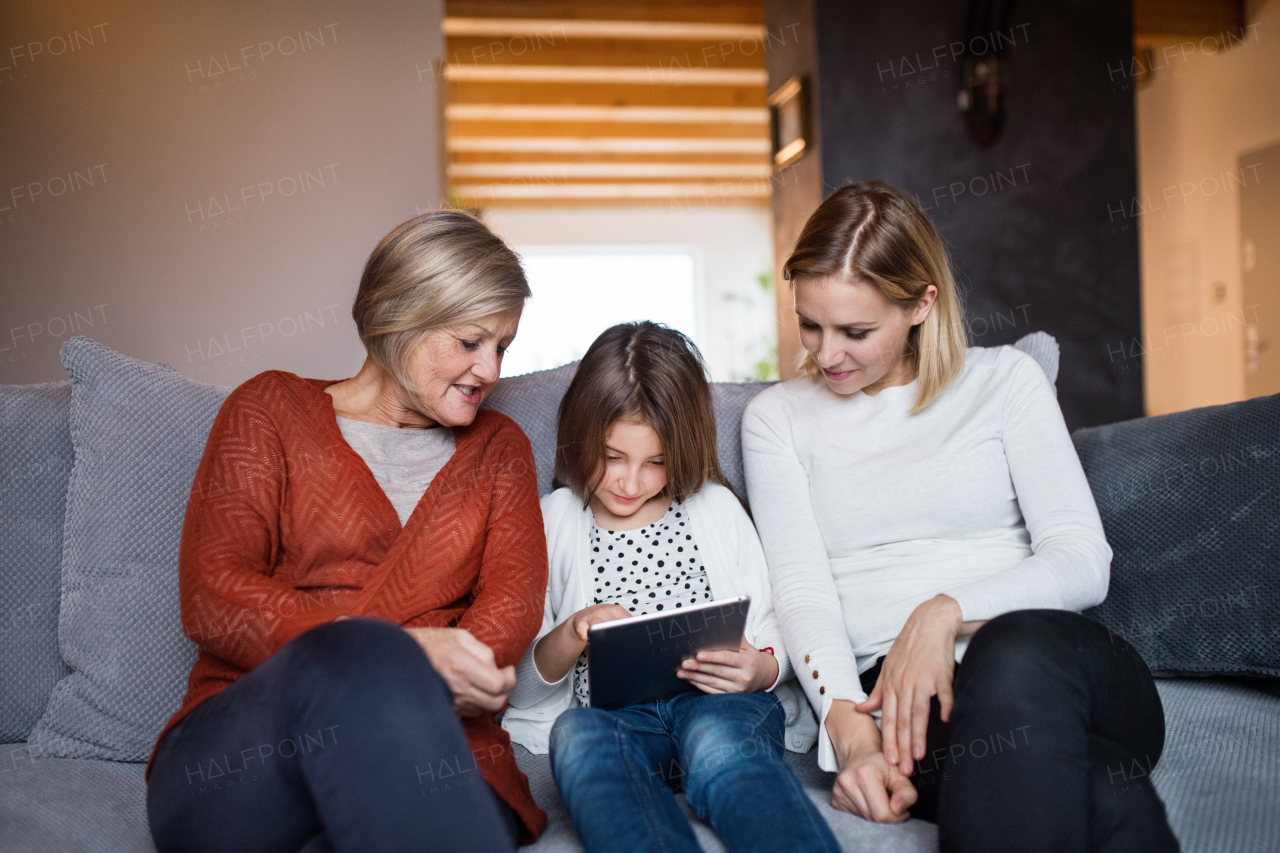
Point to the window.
(579, 292)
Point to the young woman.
(931, 538)
(643, 524)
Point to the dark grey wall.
(1027, 219)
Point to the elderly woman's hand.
(468, 667)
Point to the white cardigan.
(735, 566)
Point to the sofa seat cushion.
(68, 805)
(1219, 778)
(1219, 775)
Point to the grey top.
(403, 461)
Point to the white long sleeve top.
(865, 511)
(735, 565)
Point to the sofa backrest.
(35, 461)
(533, 401)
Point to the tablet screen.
(635, 660)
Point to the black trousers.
(1056, 728)
(344, 740)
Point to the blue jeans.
(618, 771)
(319, 749)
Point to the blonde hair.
(441, 268)
(869, 231)
(648, 373)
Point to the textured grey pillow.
(35, 461)
(730, 399)
(138, 431)
(533, 402)
(1191, 506)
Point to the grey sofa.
(69, 543)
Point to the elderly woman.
(362, 564)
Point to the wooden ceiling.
(1195, 25)
(652, 102)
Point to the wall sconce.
(985, 77)
(789, 122)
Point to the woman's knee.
(1028, 644)
(368, 653)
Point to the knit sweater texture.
(287, 529)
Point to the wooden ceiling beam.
(665, 56)
(549, 29)
(594, 94)
(614, 145)
(757, 190)
(579, 169)
(603, 130)
(605, 157)
(653, 76)
(1152, 18)
(608, 114)
(695, 11)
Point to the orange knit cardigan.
(287, 529)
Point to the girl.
(643, 523)
(916, 500)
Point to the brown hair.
(441, 268)
(869, 231)
(643, 372)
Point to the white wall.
(201, 183)
(1205, 107)
(736, 324)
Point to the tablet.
(635, 660)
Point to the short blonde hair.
(869, 231)
(441, 268)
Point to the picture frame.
(789, 121)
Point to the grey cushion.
(61, 805)
(1219, 775)
(1191, 506)
(1219, 778)
(35, 461)
(730, 399)
(138, 431)
(533, 401)
(1043, 347)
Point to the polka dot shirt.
(650, 570)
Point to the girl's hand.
(556, 653)
(866, 784)
(745, 670)
(920, 665)
(580, 623)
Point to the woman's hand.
(866, 784)
(469, 668)
(920, 665)
(744, 670)
(556, 653)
